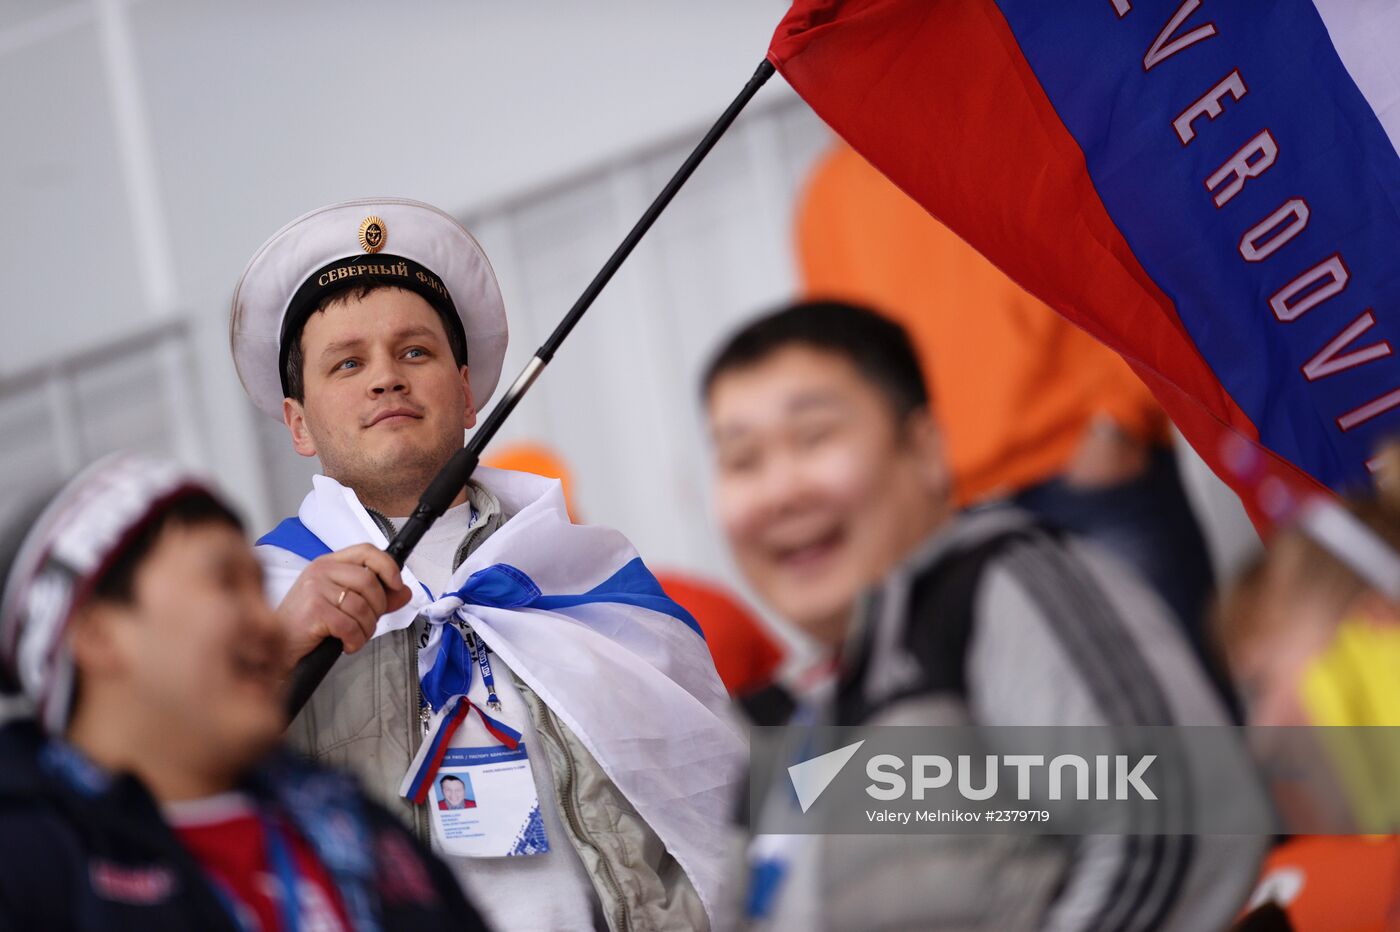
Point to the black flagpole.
(312, 668)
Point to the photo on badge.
(455, 792)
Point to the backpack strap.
(936, 628)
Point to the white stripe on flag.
(1366, 35)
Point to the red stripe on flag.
(938, 97)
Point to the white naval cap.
(392, 240)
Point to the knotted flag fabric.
(445, 660)
(1211, 189)
(573, 612)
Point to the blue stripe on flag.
(1332, 153)
(451, 674)
(293, 536)
(634, 585)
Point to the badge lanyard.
(482, 655)
(279, 853)
(279, 857)
(771, 856)
(450, 705)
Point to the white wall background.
(152, 145)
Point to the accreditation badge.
(484, 804)
(473, 771)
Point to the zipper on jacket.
(417, 710)
(564, 792)
(418, 713)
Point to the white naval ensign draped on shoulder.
(532, 664)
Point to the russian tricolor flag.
(1210, 188)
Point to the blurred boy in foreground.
(145, 793)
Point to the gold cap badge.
(372, 234)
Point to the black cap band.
(379, 268)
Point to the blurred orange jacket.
(1014, 385)
(1326, 883)
(746, 656)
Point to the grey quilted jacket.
(365, 718)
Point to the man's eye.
(346, 364)
(416, 352)
(739, 462)
(227, 578)
(811, 436)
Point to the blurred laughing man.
(537, 657)
(830, 479)
(145, 793)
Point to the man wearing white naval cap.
(536, 659)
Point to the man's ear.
(294, 416)
(925, 441)
(96, 642)
(469, 419)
